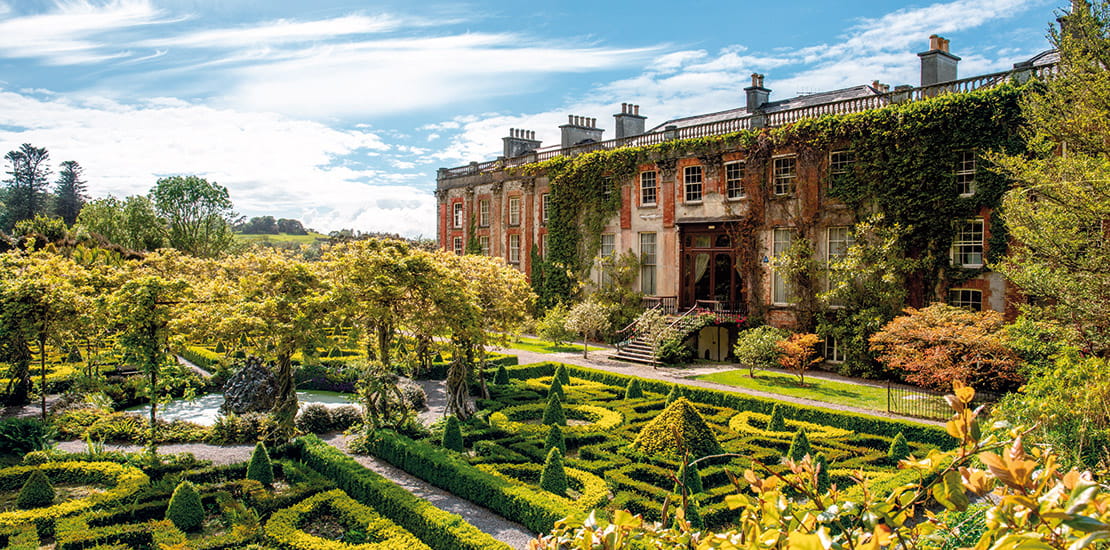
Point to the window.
(648, 189)
(545, 199)
(840, 238)
(783, 174)
(608, 245)
(483, 213)
(967, 247)
(457, 245)
(483, 243)
(691, 176)
(734, 180)
(458, 214)
(514, 210)
(966, 297)
(965, 173)
(514, 249)
(647, 263)
(781, 293)
(840, 165)
(833, 352)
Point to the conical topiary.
(899, 448)
(562, 375)
(185, 509)
(438, 358)
(452, 435)
(220, 348)
(633, 389)
(691, 479)
(799, 446)
(674, 394)
(693, 516)
(776, 422)
(680, 420)
(36, 492)
(260, 468)
(553, 415)
(556, 389)
(555, 440)
(553, 478)
(502, 376)
(823, 478)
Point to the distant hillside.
(249, 238)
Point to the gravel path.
(684, 375)
(436, 391)
(203, 373)
(511, 533)
(218, 454)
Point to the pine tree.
(36, 492)
(555, 440)
(562, 375)
(633, 390)
(502, 376)
(186, 510)
(799, 447)
(556, 388)
(69, 192)
(452, 435)
(260, 468)
(673, 395)
(776, 423)
(26, 194)
(823, 478)
(691, 479)
(553, 478)
(899, 448)
(553, 415)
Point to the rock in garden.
(252, 389)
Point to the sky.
(338, 113)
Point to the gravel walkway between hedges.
(218, 454)
(684, 375)
(436, 391)
(509, 532)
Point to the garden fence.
(922, 403)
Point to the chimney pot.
(636, 110)
(937, 64)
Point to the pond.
(206, 408)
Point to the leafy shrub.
(899, 448)
(452, 435)
(633, 389)
(36, 492)
(260, 468)
(798, 353)
(315, 418)
(554, 478)
(185, 509)
(673, 351)
(756, 348)
(412, 394)
(553, 415)
(22, 435)
(344, 417)
(502, 375)
(553, 326)
(242, 428)
(555, 439)
(678, 428)
(799, 446)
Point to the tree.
(290, 227)
(260, 469)
(936, 345)
(757, 348)
(26, 194)
(899, 448)
(381, 396)
(1058, 209)
(198, 213)
(633, 389)
(588, 318)
(69, 192)
(260, 225)
(776, 423)
(556, 388)
(553, 326)
(131, 223)
(797, 354)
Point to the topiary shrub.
(36, 492)
(691, 479)
(555, 439)
(452, 435)
(502, 376)
(673, 395)
(776, 423)
(344, 417)
(799, 446)
(553, 415)
(562, 375)
(185, 509)
(693, 516)
(260, 468)
(556, 389)
(823, 479)
(679, 427)
(220, 348)
(554, 477)
(899, 448)
(314, 419)
(633, 389)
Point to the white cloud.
(280, 32)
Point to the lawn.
(536, 345)
(280, 238)
(867, 397)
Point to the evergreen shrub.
(36, 492)
(553, 415)
(260, 468)
(452, 435)
(633, 389)
(554, 478)
(185, 509)
(555, 439)
(679, 420)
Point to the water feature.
(205, 409)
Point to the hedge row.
(75, 534)
(126, 480)
(201, 357)
(534, 509)
(283, 527)
(846, 420)
(439, 529)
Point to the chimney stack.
(937, 64)
(757, 94)
(580, 129)
(629, 122)
(520, 142)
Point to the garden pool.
(206, 408)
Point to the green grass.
(866, 397)
(542, 346)
(281, 238)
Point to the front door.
(709, 267)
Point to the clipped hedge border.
(846, 420)
(282, 526)
(201, 357)
(536, 510)
(594, 491)
(742, 423)
(75, 534)
(127, 479)
(436, 528)
(600, 419)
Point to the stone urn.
(252, 389)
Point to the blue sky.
(338, 113)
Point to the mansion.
(680, 214)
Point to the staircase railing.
(631, 328)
